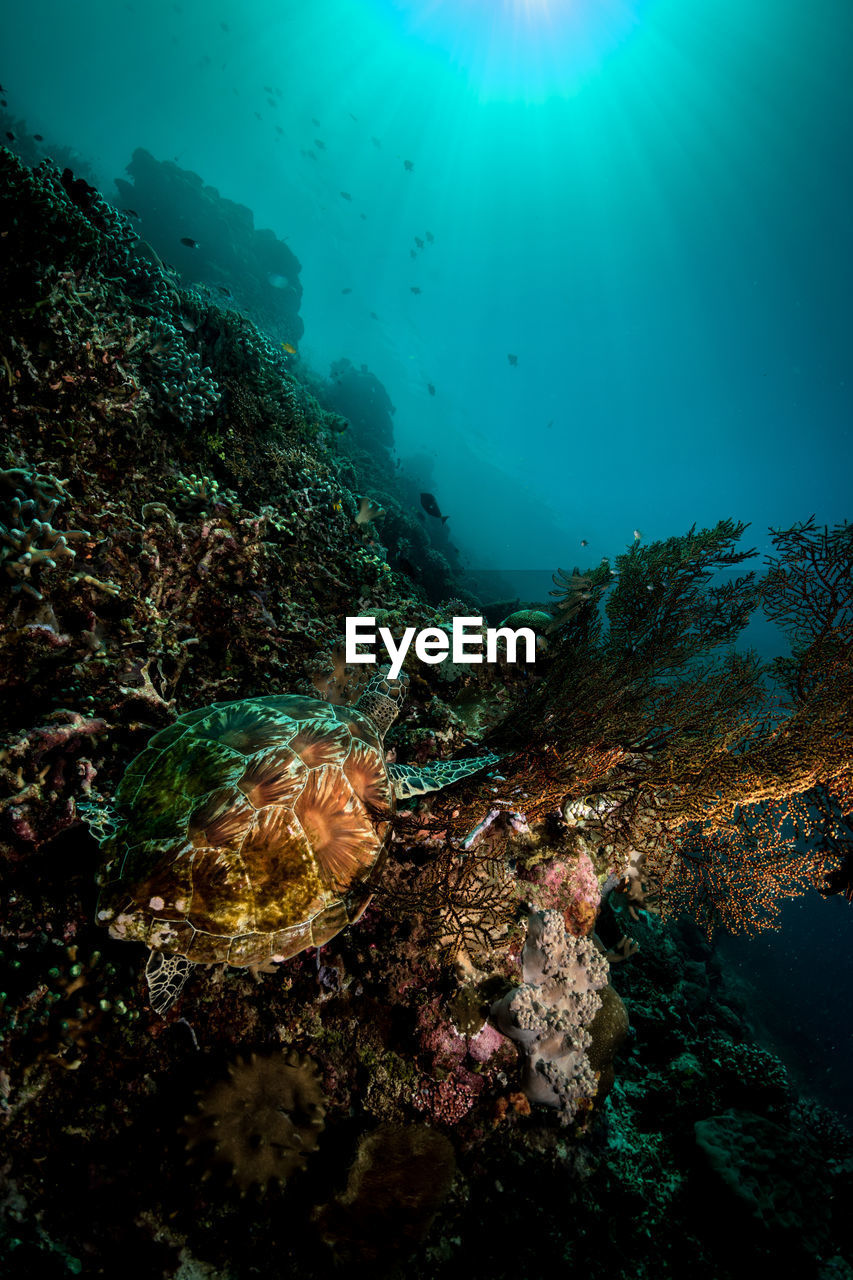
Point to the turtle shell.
(248, 831)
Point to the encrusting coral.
(397, 1183)
(262, 1121)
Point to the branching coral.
(28, 541)
(263, 1121)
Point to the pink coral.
(572, 889)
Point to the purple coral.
(550, 1013)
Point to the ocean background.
(647, 204)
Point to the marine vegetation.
(501, 1028)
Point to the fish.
(289, 348)
(637, 535)
(38, 137)
(584, 542)
(319, 144)
(10, 135)
(347, 290)
(408, 166)
(225, 291)
(131, 213)
(430, 388)
(308, 155)
(368, 511)
(315, 121)
(430, 237)
(189, 242)
(277, 281)
(258, 115)
(431, 507)
(414, 288)
(345, 195)
(419, 242)
(272, 102)
(407, 567)
(363, 217)
(279, 129)
(412, 253)
(512, 359)
(376, 142)
(224, 26)
(374, 316)
(422, 517)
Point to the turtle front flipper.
(410, 781)
(166, 975)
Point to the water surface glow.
(530, 50)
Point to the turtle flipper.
(166, 976)
(410, 781)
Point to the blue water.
(647, 203)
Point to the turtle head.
(382, 699)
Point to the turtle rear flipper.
(166, 975)
(410, 781)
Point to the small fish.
(131, 213)
(38, 137)
(549, 425)
(277, 281)
(422, 517)
(363, 217)
(316, 122)
(430, 237)
(279, 129)
(376, 142)
(272, 102)
(267, 88)
(431, 507)
(407, 567)
(345, 195)
(419, 242)
(414, 288)
(412, 253)
(584, 542)
(512, 359)
(347, 290)
(308, 155)
(637, 535)
(337, 506)
(368, 511)
(430, 388)
(10, 135)
(190, 244)
(319, 144)
(225, 291)
(224, 26)
(289, 348)
(374, 316)
(258, 115)
(408, 166)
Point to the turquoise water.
(598, 254)
(647, 203)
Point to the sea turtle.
(250, 830)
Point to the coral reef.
(179, 527)
(252, 268)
